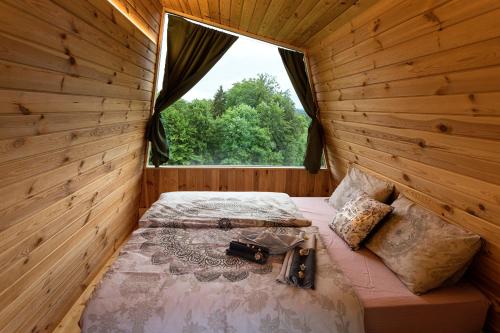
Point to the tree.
(253, 123)
(219, 103)
(242, 140)
(252, 91)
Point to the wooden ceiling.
(290, 23)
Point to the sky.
(245, 59)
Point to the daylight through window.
(243, 112)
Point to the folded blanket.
(223, 210)
(276, 243)
(299, 265)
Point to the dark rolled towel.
(255, 253)
(302, 268)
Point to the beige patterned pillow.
(357, 218)
(357, 182)
(422, 249)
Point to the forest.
(252, 123)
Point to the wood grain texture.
(290, 23)
(69, 324)
(409, 91)
(296, 182)
(76, 82)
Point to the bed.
(174, 277)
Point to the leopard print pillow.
(357, 219)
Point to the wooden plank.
(466, 146)
(83, 245)
(225, 12)
(195, 7)
(294, 181)
(471, 56)
(40, 32)
(477, 29)
(22, 257)
(117, 30)
(358, 9)
(439, 19)
(258, 15)
(69, 324)
(17, 76)
(318, 19)
(13, 126)
(41, 224)
(26, 188)
(462, 82)
(214, 10)
(76, 91)
(246, 14)
(204, 8)
(382, 18)
(235, 16)
(20, 169)
(111, 15)
(466, 165)
(16, 51)
(482, 190)
(70, 25)
(478, 127)
(269, 20)
(301, 11)
(20, 147)
(15, 213)
(460, 200)
(29, 102)
(130, 13)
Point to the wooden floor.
(69, 324)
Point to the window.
(243, 112)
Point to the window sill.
(229, 167)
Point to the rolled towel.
(299, 265)
(286, 264)
(250, 252)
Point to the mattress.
(388, 305)
(179, 279)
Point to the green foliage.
(219, 103)
(253, 123)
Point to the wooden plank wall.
(296, 182)
(410, 90)
(286, 22)
(76, 81)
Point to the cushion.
(357, 218)
(423, 250)
(357, 182)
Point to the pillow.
(422, 249)
(357, 182)
(357, 218)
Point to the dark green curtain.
(296, 69)
(192, 50)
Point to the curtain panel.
(296, 69)
(192, 50)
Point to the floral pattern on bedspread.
(155, 286)
(196, 253)
(223, 210)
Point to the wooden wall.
(410, 90)
(76, 80)
(286, 22)
(296, 182)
